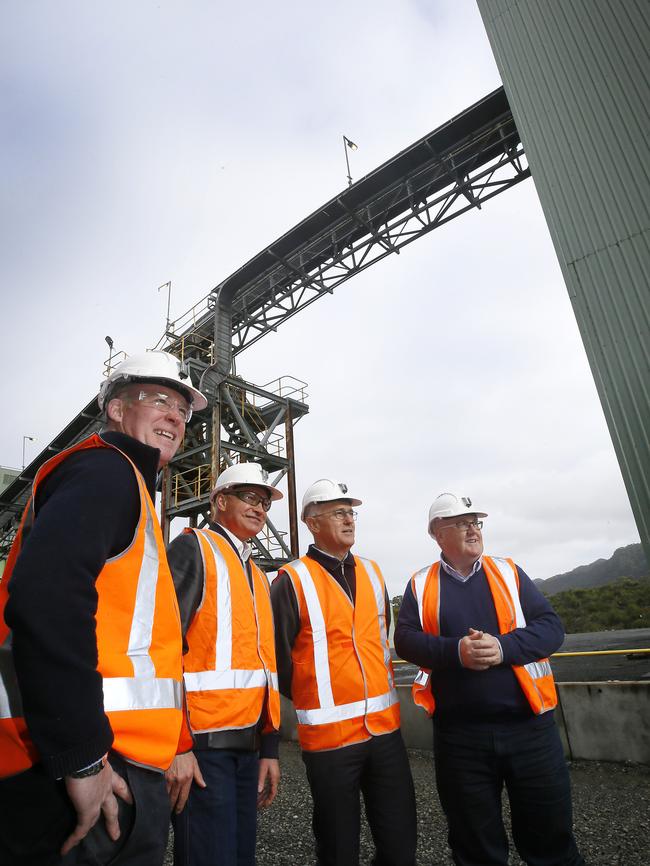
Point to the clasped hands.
(480, 651)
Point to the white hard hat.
(244, 473)
(451, 505)
(326, 490)
(156, 367)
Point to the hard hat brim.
(197, 399)
(274, 493)
(350, 499)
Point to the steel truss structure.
(245, 423)
(460, 165)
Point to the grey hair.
(312, 510)
(115, 393)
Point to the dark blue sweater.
(466, 696)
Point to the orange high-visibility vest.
(343, 687)
(231, 678)
(535, 678)
(138, 643)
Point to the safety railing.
(194, 345)
(186, 320)
(287, 387)
(271, 541)
(112, 361)
(558, 655)
(194, 483)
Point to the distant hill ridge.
(627, 561)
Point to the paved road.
(600, 668)
(582, 669)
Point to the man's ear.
(115, 410)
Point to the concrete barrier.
(608, 721)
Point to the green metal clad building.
(577, 76)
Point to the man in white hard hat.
(481, 633)
(230, 676)
(91, 694)
(332, 617)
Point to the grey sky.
(145, 142)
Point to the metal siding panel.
(577, 77)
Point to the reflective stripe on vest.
(138, 646)
(419, 582)
(319, 632)
(138, 693)
(347, 711)
(144, 690)
(420, 691)
(203, 681)
(378, 588)
(11, 704)
(535, 678)
(212, 641)
(349, 720)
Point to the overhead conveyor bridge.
(459, 166)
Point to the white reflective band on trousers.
(328, 710)
(224, 676)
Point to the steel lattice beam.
(459, 166)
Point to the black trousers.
(379, 769)
(473, 764)
(36, 817)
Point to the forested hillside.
(625, 603)
(627, 561)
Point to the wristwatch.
(91, 770)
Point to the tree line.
(624, 603)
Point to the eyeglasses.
(250, 498)
(164, 403)
(464, 525)
(340, 514)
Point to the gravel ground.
(610, 801)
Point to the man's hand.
(179, 777)
(268, 780)
(90, 797)
(480, 651)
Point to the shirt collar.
(243, 548)
(451, 571)
(348, 556)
